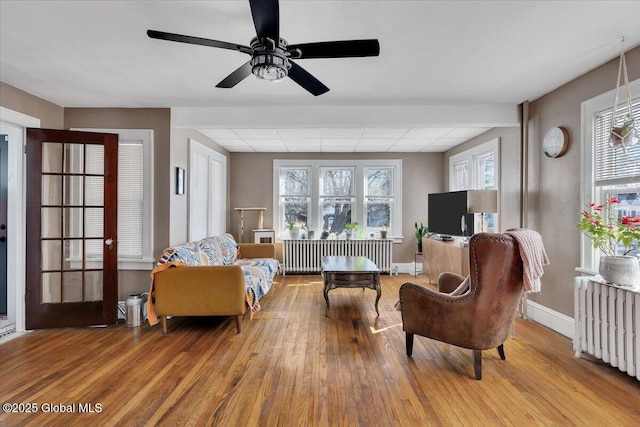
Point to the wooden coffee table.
(350, 272)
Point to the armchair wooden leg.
(477, 363)
(163, 322)
(409, 344)
(239, 323)
(501, 351)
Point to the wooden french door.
(71, 239)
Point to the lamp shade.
(482, 201)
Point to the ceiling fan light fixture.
(269, 67)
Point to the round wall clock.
(555, 142)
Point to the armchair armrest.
(449, 282)
(257, 250)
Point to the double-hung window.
(324, 195)
(477, 169)
(337, 197)
(379, 196)
(295, 194)
(607, 171)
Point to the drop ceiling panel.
(341, 133)
(299, 133)
(258, 133)
(384, 133)
(427, 132)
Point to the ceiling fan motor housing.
(269, 61)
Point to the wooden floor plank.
(292, 365)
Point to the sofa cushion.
(220, 250)
(217, 250)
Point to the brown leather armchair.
(478, 318)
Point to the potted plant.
(616, 238)
(383, 231)
(294, 230)
(349, 229)
(421, 231)
(626, 134)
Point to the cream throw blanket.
(533, 257)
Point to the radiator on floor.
(607, 322)
(305, 256)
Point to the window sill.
(139, 264)
(586, 271)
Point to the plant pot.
(617, 140)
(383, 234)
(420, 247)
(348, 234)
(294, 233)
(620, 270)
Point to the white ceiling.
(435, 56)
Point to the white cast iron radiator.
(305, 256)
(607, 321)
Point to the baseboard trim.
(553, 320)
(406, 267)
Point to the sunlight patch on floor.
(377, 331)
(305, 284)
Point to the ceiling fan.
(271, 56)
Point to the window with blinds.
(614, 166)
(135, 200)
(130, 199)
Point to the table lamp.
(482, 202)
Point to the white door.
(207, 191)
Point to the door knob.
(109, 243)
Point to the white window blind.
(614, 165)
(135, 199)
(130, 199)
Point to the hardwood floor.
(292, 366)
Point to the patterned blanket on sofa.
(223, 250)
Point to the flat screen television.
(445, 212)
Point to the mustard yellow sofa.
(211, 277)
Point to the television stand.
(440, 256)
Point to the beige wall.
(558, 180)
(180, 158)
(158, 120)
(51, 115)
(252, 186)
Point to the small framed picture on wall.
(180, 182)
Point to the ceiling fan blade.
(306, 80)
(336, 49)
(266, 18)
(161, 35)
(236, 77)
